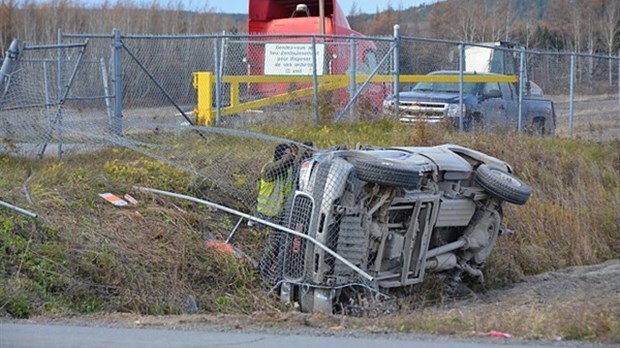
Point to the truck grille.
(295, 246)
(422, 111)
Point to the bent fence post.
(18, 209)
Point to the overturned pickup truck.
(371, 221)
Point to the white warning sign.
(292, 59)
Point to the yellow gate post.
(203, 83)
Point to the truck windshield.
(445, 87)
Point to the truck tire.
(474, 122)
(537, 128)
(502, 185)
(385, 172)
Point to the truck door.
(511, 102)
(492, 103)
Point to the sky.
(365, 6)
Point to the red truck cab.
(289, 17)
(303, 18)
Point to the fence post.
(61, 63)
(117, 125)
(203, 83)
(522, 76)
(106, 88)
(396, 72)
(315, 84)
(352, 77)
(461, 85)
(46, 83)
(218, 82)
(571, 97)
(61, 84)
(618, 77)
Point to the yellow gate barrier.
(204, 82)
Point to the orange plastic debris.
(115, 200)
(222, 247)
(494, 333)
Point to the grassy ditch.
(83, 255)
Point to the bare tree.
(610, 29)
(8, 10)
(473, 20)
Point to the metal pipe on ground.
(261, 221)
(18, 209)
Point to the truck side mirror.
(494, 93)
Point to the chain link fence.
(346, 78)
(89, 91)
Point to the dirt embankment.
(595, 284)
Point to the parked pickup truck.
(486, 105)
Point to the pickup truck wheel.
(537, 127)
(474, 122)
(385, 172)
(502, 185)
(478, 121)
(467, 124)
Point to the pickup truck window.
(508, 91)
(445, 87)
(490, 86)
(503, 62)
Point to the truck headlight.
(388, 104)
(453, 110)
(305, 170)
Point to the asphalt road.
(26, 335)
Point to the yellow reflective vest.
(271, 194)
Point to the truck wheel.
(385, 172)
(474, 122)
(467, 124)
(478, 121)
(537, 127)
(502, 185)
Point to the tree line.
(39, 22)
(591, 26)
